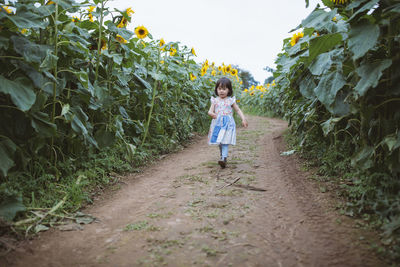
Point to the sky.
(245, 33)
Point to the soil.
(184, 210)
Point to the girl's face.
(222, 91)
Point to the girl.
(223, 129)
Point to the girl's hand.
(213, 115)
(244, 123)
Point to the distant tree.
(247, 77)
(269, 79)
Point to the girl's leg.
(224, 155)
(224, 151)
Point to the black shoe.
(222, 163)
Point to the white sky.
(245, 33)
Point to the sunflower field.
(338, 85)
(82, 97)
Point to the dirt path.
(185, 211)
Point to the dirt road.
(186, 211)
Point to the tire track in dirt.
(186, 211)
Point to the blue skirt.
(222, 131)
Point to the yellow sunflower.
(120, 39)
(336, 2)
(162, 42)
(172, 52)
(123, 23)
(130, 11)
(203, 71)
(24, 31)
(220, 68)
(213, 73)
(228, 69)
(296, 37)
(234, 72)
(75, 19)
(90, 17)
(193, 52)
(7, 9)
(91, 8)
(50, 3)
(192, 77)
(141, 32)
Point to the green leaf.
(49, 62)
(366, 7)
(40, 121)
(143, 82)
(329, 125)
(328, 87)
(362, 37)
(30, 51)
(10, 207)
(20, 90)
(307, 86)
(26, 19)
(323, 44)
(364, 158)
(392, 141)
(319, 19)
(370, 74)
(7, 150)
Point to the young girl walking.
(223, 128)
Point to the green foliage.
(85, 97)
(337, 85)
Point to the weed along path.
(185, 211)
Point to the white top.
(223, 106)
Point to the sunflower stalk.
(155, 85)
(53, 112)
(99, 41)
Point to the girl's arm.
(211, 112)
(239, 111)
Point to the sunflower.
(337, 2)
(123, 23)
(220, 68)
(238, 101)
(75, 19)
(90, 17)
(7, 9)
(296, 37)
(261, 96)
(50, 3)
(130, 11)
(245, 90)
(23, 31)
(234, 72)
(213, 73)
(162, 42)
(172, 52)
(203, 71)
(91, 8)
(228, 69)
(206, 63)
(120, 39)
(141, 32)
(193, 52)
(192, 77)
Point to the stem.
(152, 102)
(99, 41)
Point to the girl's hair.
(224, 82)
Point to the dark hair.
(224, 82)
